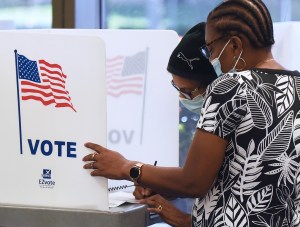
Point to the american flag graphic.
(43, 82)
(126, 74)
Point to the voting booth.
(62, 88)
(48, 95)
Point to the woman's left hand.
(167, 211)
(107, 163)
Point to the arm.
(202, 165)
(203, 162)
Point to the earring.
(235, 63)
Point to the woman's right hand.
(141, 192)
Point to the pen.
(153, 165)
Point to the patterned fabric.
(258, 113)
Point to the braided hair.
(248, 17)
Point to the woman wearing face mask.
(191, 74)
(244, 158)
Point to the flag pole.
(144, 96)
(18, 94)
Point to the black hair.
(248, 17)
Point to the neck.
(263, 62)
(258, 58)
(268, 62)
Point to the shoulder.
(224, 105)
(253, 78)
(275, 72)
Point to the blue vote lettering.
(47, 148)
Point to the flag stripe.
(37, 87)
(47, 95)
(46, 86)
(125, 85)
(117, 94)
(37, 98)
(47, 64)
(46, 99)
(113, 71)
(56, 75)
(55, 84)
(47, 102)
(116, 79)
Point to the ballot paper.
(120, 197)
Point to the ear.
(236, 44)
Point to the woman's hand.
(167, 211)
(107, 163)
(141, 192)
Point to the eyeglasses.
(187, 95)
(204, 49)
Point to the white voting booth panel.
(53, 100)
(143, 109)
(142, 106)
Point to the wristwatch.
(136, 171)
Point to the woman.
(244, 158)
(191, 73)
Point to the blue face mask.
(217, 64)
(194, 105)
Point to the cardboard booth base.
(133, 215)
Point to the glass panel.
(178, 15)
(22, 14)
(286, 10)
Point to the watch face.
(134, 172)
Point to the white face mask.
(217, 64)
(194, 105)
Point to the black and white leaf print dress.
(258, 113)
